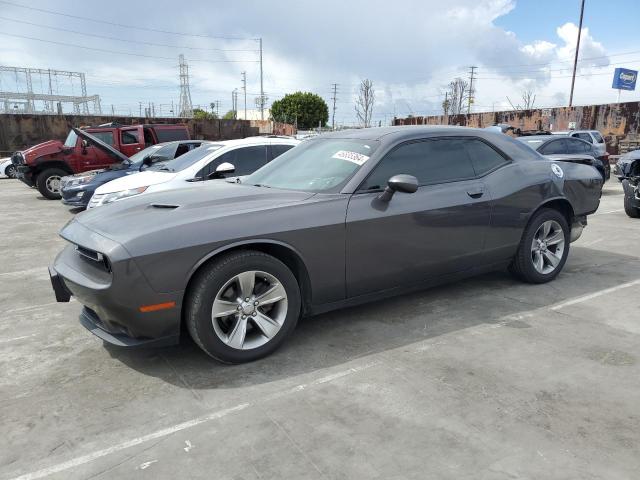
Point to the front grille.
(17, 158)
(96, 258)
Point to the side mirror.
(399, 183)
(84, 144)
(222, 170)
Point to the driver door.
(437, 230)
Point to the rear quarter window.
(171, 134)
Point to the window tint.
(598, 137)
(148, 137)
(129, 137)
(182, 149)
(483, 157)
(583, 136)
(248, 159)
(555, 146)
(210, 168)
(106, 137)
(576, 146)
(430, 161)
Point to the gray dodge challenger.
(341, 219)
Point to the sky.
(410, 49)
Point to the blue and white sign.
(624, 79)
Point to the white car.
(211, 161)
(7, 169)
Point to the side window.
(249, 159)
(598, 137)
(576, 146)
(129, 137)
(277, 150)
(483, 157)
(430, 161)
(554, 147)
(213, 164)
(106, 137)
(148, 137)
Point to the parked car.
(77, 190)
(562, 145)
(342, 219)
(628, 171)
(217, 160)
(43, 165)
(594, 137)
(6, 168)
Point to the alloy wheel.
(53, 184)
(547, 247)
(249, 310)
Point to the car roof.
(401, 131)
(257, 141)
(540, 138)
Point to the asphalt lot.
(484, 379)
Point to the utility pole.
(333, 117)
(218, 108)
(445, 106)
(471, 90)
(262, 99)
(575, 60)
(244, 88)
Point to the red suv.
(43, 165)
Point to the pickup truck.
(43, 165)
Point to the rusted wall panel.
(619, 122)
(20, 131)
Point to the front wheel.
(10, 171)
(243, 306)
(543, 249)
(629, 209)
(48, 183)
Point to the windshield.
(186, 160)
(142, 154)
(319, 165)
(71, 139)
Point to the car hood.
(161, 213)
(44, 148)
(105, 147)
(137, 179)
(627, 158)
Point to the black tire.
(630, 210)
(10, 171)
(211, 279)
(43, 182)
(522, 265)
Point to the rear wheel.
(48, 183)
(633, 212)
(543, 248)
(243, 306)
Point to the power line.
(123, 25)
(118, 52)
(106, 37)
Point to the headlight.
(73, 181)
(112, 197)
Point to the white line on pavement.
(610, 211)
(584, 298)
(74, 462)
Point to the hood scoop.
(165, 206)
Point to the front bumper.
(113, 299)
(24, 173)
(76, 196)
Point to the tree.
(200, 114)
(458, 93)
(365, 101)
(230, 115)
(528, 101)
(304, 108)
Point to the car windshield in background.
(186, 160)
(71, 140)
(321, 165)
(138, 157)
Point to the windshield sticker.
(353, 157)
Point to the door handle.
(476, 191)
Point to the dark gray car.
(339, 220)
